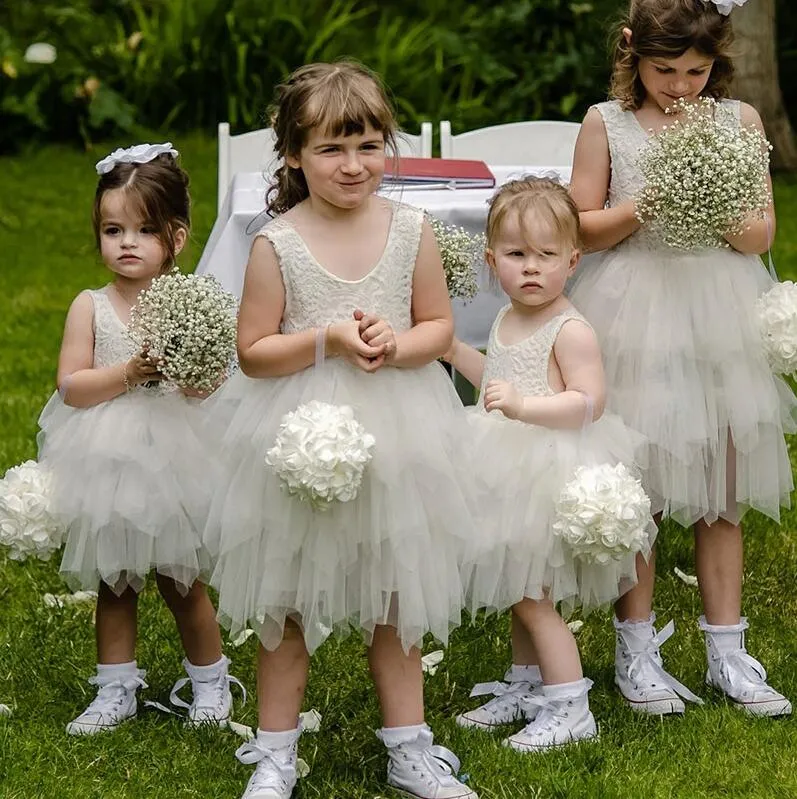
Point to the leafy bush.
(182, 64)
(123, 65)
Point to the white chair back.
(254, 151)
(538, 143)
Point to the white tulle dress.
(519, 470)
(683, 361)
(132, 478)
(390, 555)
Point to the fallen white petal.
(5, 710)
(689, 579)
(310, 720)
(59, 600)
(302, 769)
(575, 626)
(247, 733)
(430, 662)
(242, 638)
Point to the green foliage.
(192, 63)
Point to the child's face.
(342, 170)
(666, 80)
(531, 260)
(128, 244)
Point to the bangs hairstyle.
(158, 190)
(546, 199)
(339, 99)
(667, 29)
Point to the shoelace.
(646, 663)
(550, 710)
(111, 693)
(207, 694)
(506, 694)
(269, 773)
(744, 675)
(442, 764)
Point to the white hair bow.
(726, 6)
(138, 154)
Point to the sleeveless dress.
(683, 361)
(519, 471)
(131, 476)
(388, 556)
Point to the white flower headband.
(726, 6)
(138, 154)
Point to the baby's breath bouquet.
(460, 252)
(704, 176)
(187, 324)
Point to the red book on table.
(439, 171)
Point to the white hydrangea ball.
(320, 453)
(27, 525)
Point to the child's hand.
(502, 396)
(142, 369)
(377, 332)
(344, 341)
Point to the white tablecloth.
(242, 215)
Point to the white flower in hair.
(320, 453)
(603, 513)
(138, 154)
(726, 6)
(27, 524)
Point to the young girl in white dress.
(683, 361)
(540, 416)
(131, 478)
(345, 302)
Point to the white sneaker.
(115, 702)
(274, 754)
(212, 699)
(421, 771)
(639, 672)
(564, 717)
(737, 674)
(510, 703)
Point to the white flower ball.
(27, 526)
(776, 312)
(603, 513)
(320, 453)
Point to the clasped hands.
(368, 341)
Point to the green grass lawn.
(46, 655)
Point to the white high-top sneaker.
(639, 672)
(737, 674)
(564, 718)
(274, 754)
(115, 701)
(419, 770)
(510, 702)
(212, 699)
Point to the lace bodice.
(627, 139)
(315, 297)
(525, 363)
(112, 344)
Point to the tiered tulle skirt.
(132, 484)
(684, 366)
(389, 556)
(519, 472)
